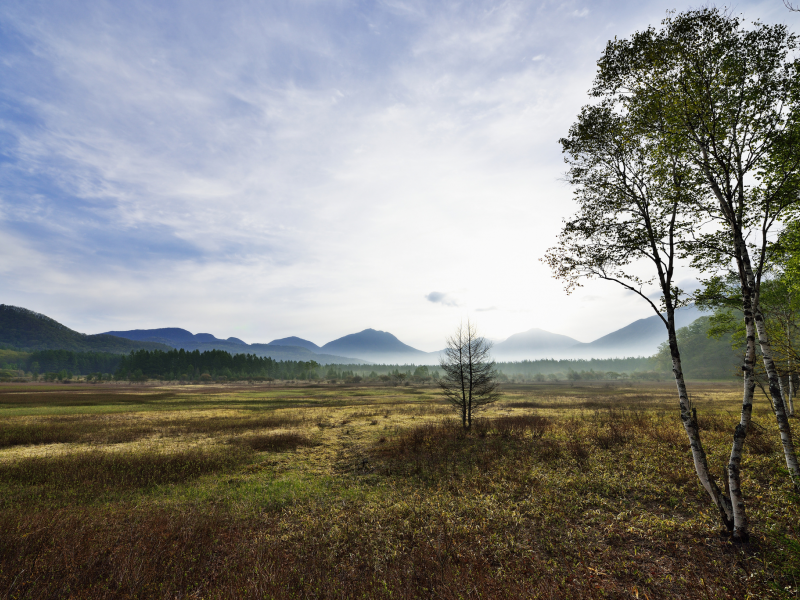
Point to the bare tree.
(469, 381)
(791, 6)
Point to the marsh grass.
(276, 442)
(548, 496)
(100, 430)
(95, 475)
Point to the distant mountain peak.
(368, 340)
(535, 339)
(295, 341)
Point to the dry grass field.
(251, 491)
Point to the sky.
(308, 168)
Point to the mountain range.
(175, 337)
(357, 348)
(640, 338)
(22, 328)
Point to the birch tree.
(631, 228)
(469, 381)
(780, 307)
(729, 98)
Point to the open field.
(583, 491)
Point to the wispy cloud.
(264, 170)
(441, 298)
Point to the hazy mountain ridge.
(380, 347)
(296, 341)
(29, 330)
(640, 338)
(20, 327)
(175, 337)
(534, 340)
(369, 345)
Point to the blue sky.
(310, 168)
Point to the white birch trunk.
(783, 395)
(740, 433)
(689, 419)
(791, 390)
(789, 452)
(750, 298)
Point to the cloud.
(488, 309)
(270, 169)
(441, 298)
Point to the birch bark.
(791, 385)
(750, 297)
(690, 425)
(789, 451)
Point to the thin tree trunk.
(783, 395)
(789, 452)
(791, 387)
(689, 419)
(740, 433)
(750, 298)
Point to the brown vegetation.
(555, 502)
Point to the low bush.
(278, 442)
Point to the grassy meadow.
(333, 491)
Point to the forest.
(711, 359)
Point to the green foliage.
(25, 329)
(594, 368)
(12, 358)
(82, 363)
(702, 356)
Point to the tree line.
(80, 363)
(191, 365)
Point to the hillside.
(534, 343)
(28, 330)
(172, 336)
(380, 347)
(641, 338)
(701, 357)
(296, 341)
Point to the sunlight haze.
(311, 169)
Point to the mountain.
(172, 336)
(380, 347)
(640, 338)
(181, 338)
(534, 342)
(23, 328)
(296, 341)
